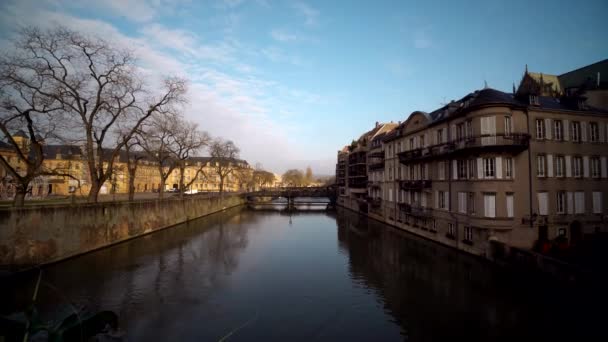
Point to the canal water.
(265, 275)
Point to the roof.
(20, 133)
(66, 151)
(548, 80)
(587, 75)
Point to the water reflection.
(304, 275)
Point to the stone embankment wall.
(38, 235)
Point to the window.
(460, 131)
(543, 205)
(421, 139)
(577, 166)
(561, 202)
(579, 202)
(462, 202)
(575, 131)
(510, 212)
(469, 128)
(441, 199)
(412, 144)
(468, 234)
(541, 162)
(471, 163)
(451, 229)
(507, 126)
(440, 136)
(462, 168)
(594, 132)
(508, 167)
(471, 203)
(441, 170)
(559, 166)
(489, 167)
(534, 100)
(489, 204)
(558, 130)
(597, 202)
(540, 129)
(595, 167)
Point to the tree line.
(61, 86)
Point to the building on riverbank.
(67, 172)
(522, 168)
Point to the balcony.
(373, 184)
(376, 166)
(415, 184)
(374, 202)
(513, 143)
(376, 155)
(416, 210)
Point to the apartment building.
(519, 168)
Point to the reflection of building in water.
(428, 287)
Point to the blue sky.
(293, 81)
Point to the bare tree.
(98, 85)
(263, 178)
(244, 176)
(293, 177)
(156, 138)
(224, 154)
(27, 119)
(133, 155)
(187, 141)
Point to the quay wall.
(37, 235)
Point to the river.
(262, 275)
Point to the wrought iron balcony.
(415, 184)
(512, 143)
(373, 184)
(378, 154)
(416, 210)
(375, 202)
(376, 166)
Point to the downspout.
(529, 166)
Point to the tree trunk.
(161, 190)
(221, 187)
(94, 192)
(182, 169)
(19, 200)
(132, 183)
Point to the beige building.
(520, 168)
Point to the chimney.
(377, 124)
(598, 79)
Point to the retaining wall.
(43, 234)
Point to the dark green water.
(266, 275)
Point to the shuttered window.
(510, 209)
(543, 208)
(462, 202)
(597, 202)
(489, 205)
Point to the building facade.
(520, 168)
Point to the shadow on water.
(278, 275)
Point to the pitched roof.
(548, 80)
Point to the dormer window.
(534, 100)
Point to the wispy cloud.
(226, 98)
(283, 36)
(310, 14)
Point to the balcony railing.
(514, 143)
(376, 155)
(373, 184)
(415, 184)
(374, 202)
(376, 166)
(415, 210)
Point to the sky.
(293, 81)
